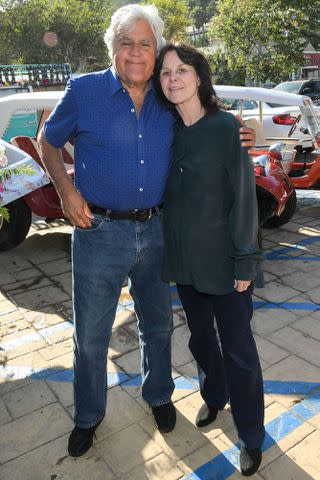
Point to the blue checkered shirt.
(121, 160)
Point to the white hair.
(126, 16)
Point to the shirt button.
(123, 90)
(140, 136)
(140, 189)
(181, 169)
(142, 161)
(132, 110)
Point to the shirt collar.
(116, 85)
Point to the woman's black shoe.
(81, 440)
(165, 417)
(250, 460)
(206, 415)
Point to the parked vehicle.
(310, 88)
(277, 119)
(41, 200)
(294, 158)
(276, 196)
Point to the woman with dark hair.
(211, 248)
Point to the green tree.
(311, 28)
(44, 31)
(264, 38)
(221, 73)
(175, 17)
(201, 11)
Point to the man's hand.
(247, 135)
(74, 206)
(241, 285)
(76, 209)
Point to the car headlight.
(262, 164)
(287, 159)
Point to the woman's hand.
(241, 285)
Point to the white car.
(279, 109)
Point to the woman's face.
(179, 81)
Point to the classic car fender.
(278, 185)
(44, 202)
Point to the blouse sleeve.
(243, 218)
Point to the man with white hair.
(122, 137)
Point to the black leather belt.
(138, 215)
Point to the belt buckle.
(144, 214)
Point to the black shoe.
(206, 415)
(250, 460)
(165, 417)
(81, 440)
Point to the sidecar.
(19, 114)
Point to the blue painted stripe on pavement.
(61, 374)
(44, 333)
(224, 465)
(281, 254)
(13, 372)
(263, 304)
(284, 305)
(31, 337)
(53, 374)
(287, 305)
(301, 258)
(114, 378)
(181, 383)
(289, 387)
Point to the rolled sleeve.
(244, 212)
(61, 125)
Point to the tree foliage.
(201, 11)
(46, 31)
(221, 73)
(175, 17)
(265, 38)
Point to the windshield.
(311, 120)
(234, 104)
(290, 87)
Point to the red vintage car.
(284, 162)
(275, 192)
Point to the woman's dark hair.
(190, 56)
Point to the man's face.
(134, 54)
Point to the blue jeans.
(103, 256)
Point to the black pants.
(231, 374)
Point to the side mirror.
(306, 90)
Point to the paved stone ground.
(36, 372)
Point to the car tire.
(13, 233)
(286, 215)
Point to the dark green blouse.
(210, 208)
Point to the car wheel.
(12, 233)
(285, 216)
